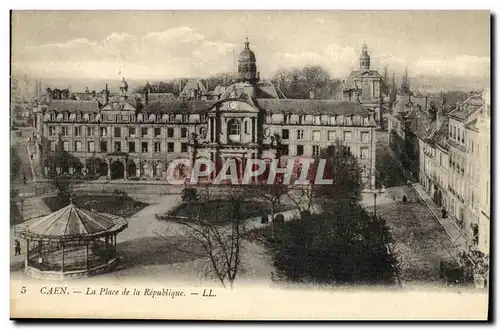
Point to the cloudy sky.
(167, 44)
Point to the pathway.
(449, 225)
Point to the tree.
(344, 245)
(344, 169)
(218, 246)
(63, 192)
(190, 195)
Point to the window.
(286, 134)
(331, 135)
(78, 146)
(184, 132)
(284, 149)
(365, 137)
(170, 132)
(170, 147)
(157, 146)
(53, 146)
(90, 131)
(300, 134)
(157, 131)
(300, 150)
(131, 131)
(52, 131)
(184, 147)
(125, 118)
(246, 127)
(316, 136)
(364, 152)
(91, 146)
(111, 118)
(144, 131)
(104, 131)
(66, 146)
(144, 147)
(315, 151)
(104, 146)
(158, 170)
(233, 127)
(118, 146)
(347, 136)
(64, 130)
(78, 130)
(118, 132)
(454, 132)
(131, 147)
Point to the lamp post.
(375, 204)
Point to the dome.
(247, 55)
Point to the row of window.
(66, 116)
(117, 131)
(316, 150)
(91, 146)
(332, 135)
(318, 120)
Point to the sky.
(171, 44)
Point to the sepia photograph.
(250, 165)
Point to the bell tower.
(364, 59)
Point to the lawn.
(100, 203)
(249, 209)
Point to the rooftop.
(73, 105)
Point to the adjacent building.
(455, 167)
(366, 86)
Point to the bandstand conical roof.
(72, 222)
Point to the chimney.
(106, 94)
(146, 95)
(311, 93)
(426, 100)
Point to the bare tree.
(216, 228)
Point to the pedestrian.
(25, 179)
(405, 199)
(444, 213)
(17, 248)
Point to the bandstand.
(71, 242)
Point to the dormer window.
(171, 117)
(52, 116)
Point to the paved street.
(421, 242)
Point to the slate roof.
(467, 107)
(74, 105)
(439, 136)
(304, 106)
(192, 84)
(178, 106)
(259, 91)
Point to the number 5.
(23, 289)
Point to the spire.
(247, 43)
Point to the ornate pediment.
(368, 74)
(235, 105)
(119, 106)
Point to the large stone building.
(123, 137)
(366, 86)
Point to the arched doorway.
(131, 169)
(117, 170)
(103, 169)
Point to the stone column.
(125, 169)
(137, 169)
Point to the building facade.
(366, 86)
(127, 138)
(455, 167)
